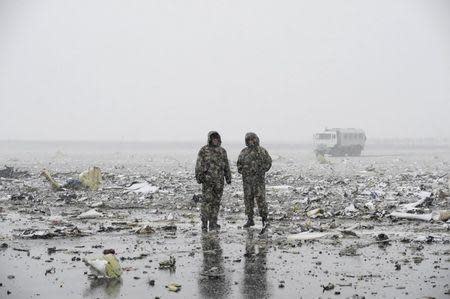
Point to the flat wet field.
(349, 247)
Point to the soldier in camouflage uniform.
(253, 162)
(210, 170)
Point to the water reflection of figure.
(255, 268)
(213, 282)
(110, 286)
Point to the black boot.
(249, 223)
(204, 225)
(265, 224)
(264, 221)
(213, 225)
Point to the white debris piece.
(423, 195)
(350, 209)
(169, 217)
(412, 206)
(402, 215)
(435, 215)
(315, 213)
(97, 204)
(91, 214)
(141, 188)
(306, 236)
(369, 205)
(280, 188)
(98, 266)
(105, 266)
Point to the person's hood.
(249, 136)
(211, 135)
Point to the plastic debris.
(280, 188)
(49, 234)
(348, 251)
(141, 188)
(145, 230)
(173, 287)
(435, 215)
(425, 200)
(168, 264)
(315, 213)
(328, 287)
(55, 185)
(91, 214)
(37, 234)
(105, 266)
(306, 236)
(91, 178)
(350, 209)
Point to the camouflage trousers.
(212, 194)
(255, 191)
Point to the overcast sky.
(175, 69)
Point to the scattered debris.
(348, 251)
(144, 230)
(327, 287)
(168, 264)
(89, 179)
(342, 209)
(52, 270)
(12, 173)
(173, 287)
(315, 213)
(349, 233)
(37, 234)
(382, 237)
(22, 196)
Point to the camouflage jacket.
(254, 161)
(212, 163)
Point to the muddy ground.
(43, 242)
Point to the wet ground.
(356, 196)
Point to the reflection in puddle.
(213, 281)
(255, 268)
(110, 287)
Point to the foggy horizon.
(172, 71)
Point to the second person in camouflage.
(211, 169)
(253, 162)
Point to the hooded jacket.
(254, 160)
(212, 163)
